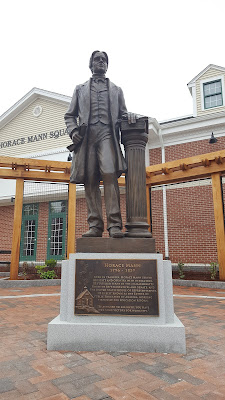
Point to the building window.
(30, 209)
(57, 230)
(213, 94)
(29, 232)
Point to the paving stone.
(11, 395)
(37, 335)
(29, 372)
(6, 385)
(161, 395)
(140, 394)
(156, 370)
(75, 377)
(25, 387)
(70, 390)
(74, 364)
(189, 378)
(166, 377)
(135, 366)
(47, 388)
(117, 394)
(75, 357)
(95, 393)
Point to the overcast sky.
(155, 48)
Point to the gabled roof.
(221, 69)
(85, 291)
(29, 98)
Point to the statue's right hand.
(75, 136)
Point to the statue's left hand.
(131, 118)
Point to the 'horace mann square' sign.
(34, 138)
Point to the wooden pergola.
(197, 167)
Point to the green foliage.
(49, 274)
(44, 272)
(181, 270)
(51, 263)
(213, 270)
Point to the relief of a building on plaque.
(85, 302)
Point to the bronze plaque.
(124, 287)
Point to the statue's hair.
(93, 54)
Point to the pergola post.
(219, 222)
(18, 208)
(71, 219)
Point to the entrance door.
(56, 230)
(28, 243)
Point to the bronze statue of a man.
(93, 124)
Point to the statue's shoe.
(93, 232)
(115, 232)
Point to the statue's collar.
(98, 78)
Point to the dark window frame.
(26, 217)
(212, 95)
(61, 215)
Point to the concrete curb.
(32, 283)
(203, 284)
(57, 282)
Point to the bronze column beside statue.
(134, 138)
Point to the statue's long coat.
(78, 114)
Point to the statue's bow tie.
(99, 79)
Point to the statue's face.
(99, 63)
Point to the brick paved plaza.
(29, 372)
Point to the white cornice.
(29, 98)
(190, 130)
(194, 122)
(172, 140)
(175, 119)
(45, 153)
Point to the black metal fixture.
(69, 158)
(212, 139)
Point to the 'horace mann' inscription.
(116, 287)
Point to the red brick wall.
(155, 156)
(185, 150)
(81, 217)
(6, 230)
(157, 219)
(191, 225)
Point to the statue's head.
(98, 63)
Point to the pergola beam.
(190, 162)
(184, 175)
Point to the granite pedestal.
(122, 245)
(162, 333)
